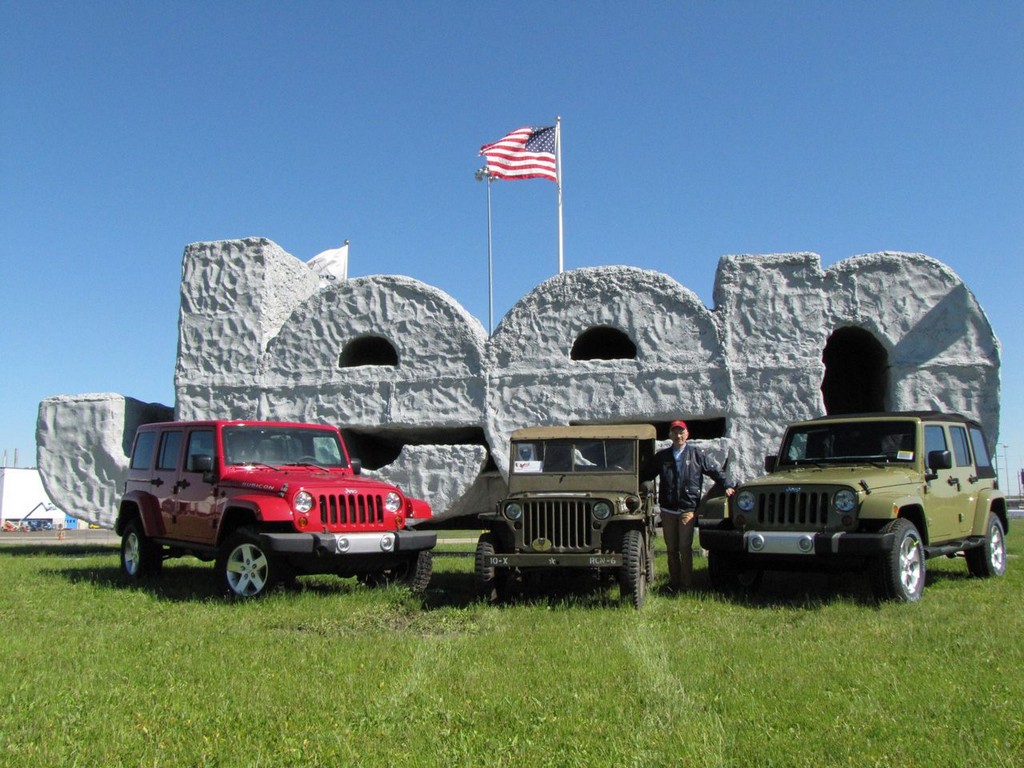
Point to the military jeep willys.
(874, 492)
(576, 500)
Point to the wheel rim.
(910, 565)
(247, 570)
(131, 554)
(997, 548)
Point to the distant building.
(24, 503)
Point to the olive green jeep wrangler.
(874, 492)
(576, 500)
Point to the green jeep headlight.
(602, 510)
(745, 501)
(513, 511)
(845, 500)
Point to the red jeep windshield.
(280, 446)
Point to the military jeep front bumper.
(555, 560)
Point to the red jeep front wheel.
(245, 567)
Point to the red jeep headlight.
(303, 502)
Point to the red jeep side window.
(142, 456)
(199, 444)
(170, 447)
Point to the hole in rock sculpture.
(856, 373)
(603, 343)
(368, 350)
(379, 448)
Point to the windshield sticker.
(905, 456)
(528, 466)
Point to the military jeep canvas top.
(567, 458)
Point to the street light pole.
(1006, 467)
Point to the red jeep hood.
(274, 480)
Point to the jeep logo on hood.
(792, 489)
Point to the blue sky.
(690, 131)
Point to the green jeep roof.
(591, 432)
(882, 415)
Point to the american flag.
(526, 153)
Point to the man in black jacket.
(681, 469)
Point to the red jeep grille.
(352, 509)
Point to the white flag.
(331, 265)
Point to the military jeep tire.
(492, 584)
(633, 575)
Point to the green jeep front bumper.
(796, 543)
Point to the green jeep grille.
(791, 509)
(557, 524)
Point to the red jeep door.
(165, 477)
(198, 514)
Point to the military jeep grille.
(351, 509)
(803, 508)
(565, 523)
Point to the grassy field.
(812, 673)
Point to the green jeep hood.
(875, 477)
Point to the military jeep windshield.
(565, 456)
(846, 442)
(280, 446)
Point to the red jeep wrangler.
(267, 501)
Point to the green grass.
(812, 673)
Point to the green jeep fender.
(989, 500)
(713, 509)
(883, 506)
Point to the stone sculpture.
(428, 401)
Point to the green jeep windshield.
(279, 446)
(845, 442)
(562, 456)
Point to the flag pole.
(485, 175)
(558, 171)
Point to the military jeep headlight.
(745, 501)
(602, 510)
(513, 511)
(392, 502)
(845, 500)
(303, 502)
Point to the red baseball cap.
(677, 425)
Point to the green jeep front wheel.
(726, 576)
(900, 574)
